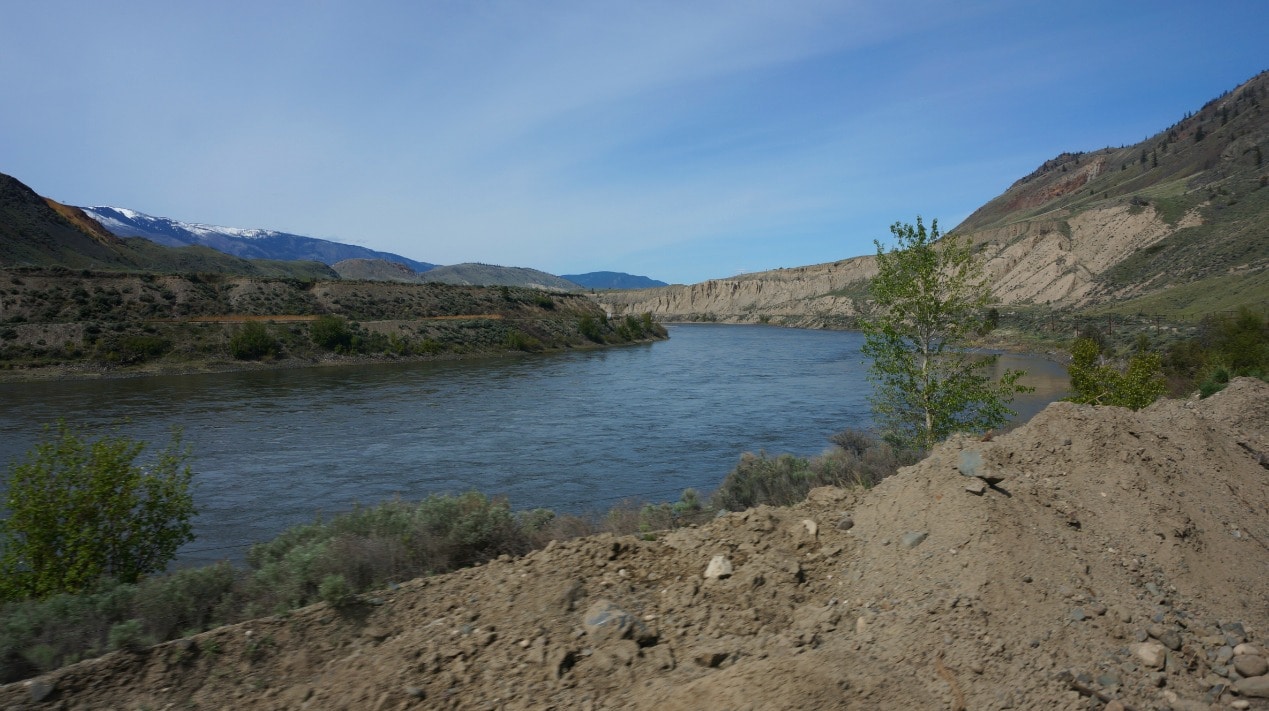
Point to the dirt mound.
(1117, 560)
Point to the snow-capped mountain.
(247, 243)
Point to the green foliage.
(859, 459)
(1095, 382)
(590, 328)
(372, 546)
(927, 301)
(131, 349)
(127, 635)
(252, 342)
(520, 341)
(335, 591)
(80, 511)
(332, 333)
(1230, 345)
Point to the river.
(572, 431)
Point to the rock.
(605, 621)
(1246, 648)
(812, 529)
(1171, 639)
(971, 465)
(710, 659)
(719, 567)
(912, 539)
(1250, 665)
(845, 523)
(1115, 705)
(1240, 704)
(1078, 614)
(40, 689)
(977, 487)
(1255, 687)
(1150, 654)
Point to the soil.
(1120, 562)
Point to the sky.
(680, 140)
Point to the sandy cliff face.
(1055, 260)
(814, 295)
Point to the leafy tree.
(927, 301)
(80, 511)
(1097, 383)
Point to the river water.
(573, 431)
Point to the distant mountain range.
(349, 261)
(612, 280)
(38, 232)
(248, 243)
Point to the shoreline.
(86, 371)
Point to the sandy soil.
(1120, 562)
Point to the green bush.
(590, 328)
(332, 333)
(859, 459)
(80, 511)
(1096, 382)
(253, 342)
(520, 341)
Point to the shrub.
(590, 328)
(80, 511)
(860, 459)
(252, 342)
(332, 333)
(1097, 383)
(520, 341)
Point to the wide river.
(572, 431)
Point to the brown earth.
(1121, 563)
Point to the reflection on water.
(570, 431)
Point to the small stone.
(1108, 680)
(719, 567)
(710, 659)
(1171, 640)
(977, 487)
(912, 539)
(1245, 648)
(1250, 665)
(1077, 614)
(1225, 654)
(812, 529)
(1240, 704)
(1115, 705)
(1152, 655)
(1256, 687)
(845, 523)
(604, 621)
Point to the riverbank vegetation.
(341, 560)
(86, 322)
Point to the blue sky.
(680, 140)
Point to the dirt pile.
(1119, 562)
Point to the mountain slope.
(38, 232)
(249, 243)
(1177, 225)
